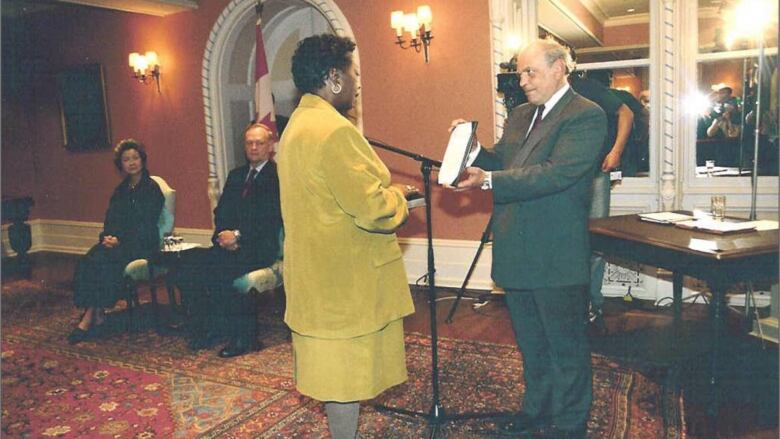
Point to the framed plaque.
(83, 108)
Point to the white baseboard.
(452, 259)
(767, 329)
(77, 237)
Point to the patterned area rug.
(144, 385)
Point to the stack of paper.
(664, 217)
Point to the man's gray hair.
(554, 51)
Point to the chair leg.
(171, 296)
(131, 299)
(155, 305)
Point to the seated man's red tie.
(249, 183)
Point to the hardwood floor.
(637, 332)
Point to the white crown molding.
(594, 8)
(625, 20)
(157, 8)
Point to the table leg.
(178, 313)
(677, 287)
(673, 378)
(717, 334)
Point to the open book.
(462, 140)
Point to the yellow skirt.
(352, 369)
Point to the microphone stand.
(485, 238)
(436, 415)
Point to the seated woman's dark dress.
(132, 217)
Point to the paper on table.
(664, 217)
(703, 245)
(180, 246)
(462, 139)
(762, 225)
(708, 225)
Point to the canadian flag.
(264, 103)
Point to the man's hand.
(455, 123)
(110, 241)
(471, 178)
(227, 240)
(611, 161)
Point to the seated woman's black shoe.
(78, 335)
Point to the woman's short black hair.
(314, 58)
(125, 145)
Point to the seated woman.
(129, 232)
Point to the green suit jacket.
(343, 271)
(542, 192)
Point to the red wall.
(406, 103)
(627, 35)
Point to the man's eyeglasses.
(256, 142)
(529, 72)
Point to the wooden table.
(719, 260)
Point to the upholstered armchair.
(264, 279)
(141, 270)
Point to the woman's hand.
(407, 190)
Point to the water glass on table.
(718, 207)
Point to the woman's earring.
(335, 88)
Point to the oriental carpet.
(144, 385)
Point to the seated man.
(246, 237)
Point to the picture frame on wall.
(83, 108)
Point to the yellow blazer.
(343, 272)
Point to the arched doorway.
(228, 70)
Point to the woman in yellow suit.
(346, 286)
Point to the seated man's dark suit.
(206, 277)
(541, 200)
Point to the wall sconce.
(419, 27)
(145, 67)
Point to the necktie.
(537, 119)
(249, 183)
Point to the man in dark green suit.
(541, 172)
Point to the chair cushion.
(165, 223)
(168, 213)
(261, 280)
(137, 270)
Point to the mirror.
(612, 43)
(726, 118)
(725, 101)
